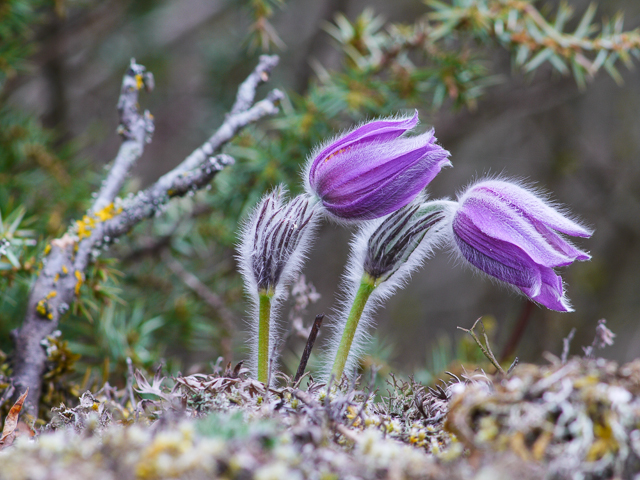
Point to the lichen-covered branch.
(58, 282)
(135, 129)
(247, 90)
(66, 259)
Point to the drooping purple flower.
(373, 170)
(513, 235)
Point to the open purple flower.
(372, 171)
(513, 235)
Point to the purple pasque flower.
(373, 170)
(512, 234)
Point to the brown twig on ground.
(67, 258)
(486, 349)
(313, 334)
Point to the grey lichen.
(577, 420)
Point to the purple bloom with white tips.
(513, 235)
(374, 170)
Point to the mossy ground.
(573, 420)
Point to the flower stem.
(367, 285)
(264, 317)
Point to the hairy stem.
(264, 317)
(367, 285)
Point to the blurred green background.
(62, 63)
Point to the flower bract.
(374, 170)
(272, 250)
(271, 245)
(512, 234)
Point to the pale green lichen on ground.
(579, 420)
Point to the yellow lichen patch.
(540, 446)
(352, 413)
(56, 278)
(107, 213)
(85, 226)
(80, 281)
(139, 81)
(47, 249)
(42, 306)
(160, 457)
(65, 270)
(417, 437)
(605, 442)
(518, 445)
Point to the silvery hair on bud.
(360, 258)
(274, 243)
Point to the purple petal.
(387, 187)
(560, 244)
(503, 221)
(510, 264)
(372, 164)
(378, 130)
(551, 292)
(509, 233)
(497, 258)
(534, 206)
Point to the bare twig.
(308, 347)
(64, 265)
(513, 366)
(58, 281)
(152, 246)
(136, 130)
(208, 296)
(247, 90)
(603, 337)
(205, 293)
(130, 379)
(486, 349)
(566, 344)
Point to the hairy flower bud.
(510, 233)
(372, 171)
(383, 255)
(272, 249)
(398, 236)
(274, 239)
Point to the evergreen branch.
(59, 282)
(519, 26)
(447, 38)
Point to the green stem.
(367, 285)
(264, 316)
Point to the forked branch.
(67, 258)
